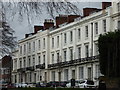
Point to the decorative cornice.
(83, 20)
(26, 39)
(116, 15)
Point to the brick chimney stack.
(106, 4)
(65, 18)
(48, 23)
(60, 20)
(88, 11)
(37, 28)
(71, 18)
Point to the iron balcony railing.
(73, 62)
(41, 66)
(21, 70)
(31, 68)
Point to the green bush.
(109, 51)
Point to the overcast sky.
(22, 28)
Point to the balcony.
(41, 66)
(21, 70)
(73, 62)
(30, 68)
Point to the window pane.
(79, 52)
(58, 57)
(43, 42)
(86, 51)
(65, 55)
(71, 36)
(39, 44)
(57, 41)
(96, 49)
(66, 74)
(53, 75)
(52, 58)
(97, 71)
(79, 34)
(24, 49)
(33, 46)
(52, 42)
(81, 73)
(118, 6)
(104, 25)
(96, 28)
(43, 59)
(65, 38)
(86, 31)
(39, 61)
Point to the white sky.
(22, 28)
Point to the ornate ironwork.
(21, 70)
(73, 62)
(30, 68)
(41, 66)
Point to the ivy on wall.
(109, 50)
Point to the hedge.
(49, 89)
(109, 51)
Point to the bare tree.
(36, 8)
(30, 8)
(7, 39)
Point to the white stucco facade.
(66, 52)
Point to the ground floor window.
(97, 73)
(89, 73)
(53, 75)
(66, 74)
(73, 74)
(15, 79)
(81, 73)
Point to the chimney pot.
(48, 23)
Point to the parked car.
(31, 84)
(52, 84)
(17, 85)
(3, 84)
(24, 85)
(11, 85)
(87, 84)
(63, 83)
(21, 85)
(40, 84)
(76, 84)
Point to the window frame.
(81, 73)
(71, 36)
(96, 28)
(104, 25)
(86, 32)
(87, 50)
(79, 34)
(65, 38)
(52, 42)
